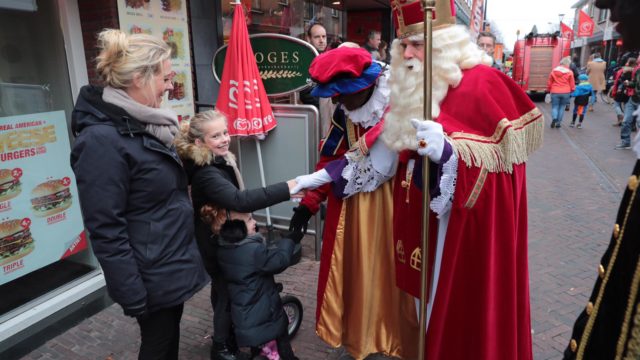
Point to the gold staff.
(428, 6)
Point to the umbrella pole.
(264, 184)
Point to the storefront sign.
(40, 218)
(166, 19)
(283, 62)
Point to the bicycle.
(605, 95)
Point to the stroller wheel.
(293, 308)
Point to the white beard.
(453, 51)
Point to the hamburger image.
(50, 197)
(15, 241)
(10, 187)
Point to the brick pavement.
(574, 185)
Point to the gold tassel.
(511, 143)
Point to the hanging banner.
(166, 19)
(40, 218)
(477, 18)
(567, 32)
(585, 24)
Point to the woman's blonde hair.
(566, 61)
(192, 130)
(123, 56)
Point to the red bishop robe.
(481, 305)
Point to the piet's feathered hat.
(343, 71)
(408, 16)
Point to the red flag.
(567, 32)
(585, 24)
(242, 96)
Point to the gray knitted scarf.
(161, 123)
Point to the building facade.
(605, 40)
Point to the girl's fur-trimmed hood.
(200, 155)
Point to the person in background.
(317, 36)
(203, 144)
(632, 89)
(575, 68)
(582, 93)
(373, 43)
(611, 69)
(133, 188)
(619, 90)
(596, 69)
(383, 50)
(335, 43)
(487, 42)
(248, 264)
(560, 85)
(608, 327)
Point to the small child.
(248, 263)
(582, 93)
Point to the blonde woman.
(215, 180)
(133, 189)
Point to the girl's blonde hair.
(192, 130)
(123, 56)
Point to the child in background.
(582, 93)
(248, 263)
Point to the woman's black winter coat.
(136, 207)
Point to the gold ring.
(422, 143)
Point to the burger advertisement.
(10, 186)
(51, 197)
(40, 218)
(16, 242)
(167, 20)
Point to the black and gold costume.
(609, 326)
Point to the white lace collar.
(371, 112)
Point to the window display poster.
(40, 218)
(167, 20)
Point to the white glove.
(311, 181)
(432, 133)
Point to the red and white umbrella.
(242, 97)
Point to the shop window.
(603, 14)
(290, 17)
(43, 247)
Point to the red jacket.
(561, 81)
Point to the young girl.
(248, 264)
(203, 145)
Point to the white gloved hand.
(311, 181)
(432, 133)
